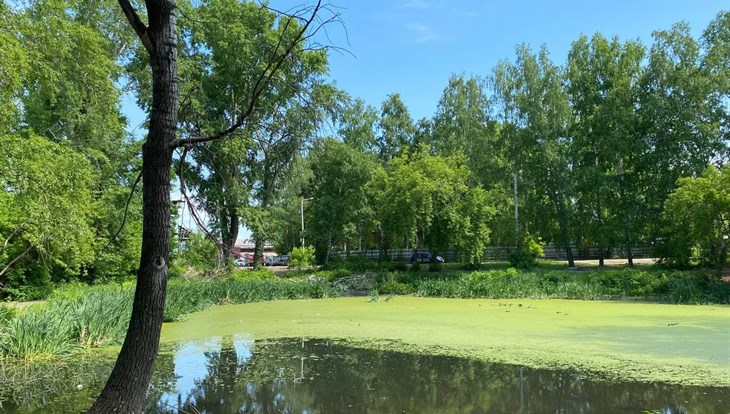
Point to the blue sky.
(412, 46)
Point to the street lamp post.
(301, 211)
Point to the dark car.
(425, 257)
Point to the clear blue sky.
(412, 46)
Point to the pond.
(232, 374)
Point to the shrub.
(352, 263)
(334, 274)
(526, 256)
(302, 258)
(259, 273)
(394, 288)
(435, 267)
(398, 266)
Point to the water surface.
(235, 375)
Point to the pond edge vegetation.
(78, 317)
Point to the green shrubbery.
(301, 258)
(526, 256)
(673, 287)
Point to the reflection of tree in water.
(294, 376)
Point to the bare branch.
(134, 20)
(266, 75)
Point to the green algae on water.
(615, 341)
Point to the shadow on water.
(234, 375)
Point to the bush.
(398, 266)
(334, 274)
(352, 263)
(435, 267)
(526, 256)
(302, 258)
(29, 282)
(199, 253)
(394, 288)
(259, 273)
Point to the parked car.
(282, 260)
(241, 263)
(425, 257)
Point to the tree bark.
(126, 389)
(230, 232)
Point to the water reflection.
(232, 375)
(235, 375)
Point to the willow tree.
(127, 385)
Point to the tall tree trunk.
(126, 389)
(230, 233)
(564, 232)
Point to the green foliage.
(674, 287)
(259, 273)
(435, 267)
(339, 206)
(301, 258)
(395, 288)
(199, 253)
(44, 205)
(525, 257)
(334, 274)
(352, 263)
(698, 217)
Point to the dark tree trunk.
(564, 232)
(629, 253)
(230, 233)
(126, 389)
(601, 256)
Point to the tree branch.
(126, 210)
(191, 205)
(266, 75)
(134, 20)
(12, 262)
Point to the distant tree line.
(623, 145)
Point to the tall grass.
(76, 318)
(672, 287)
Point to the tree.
(396, 129)
(603, 79)
(44, 212)
(357, 126)
(698, 213)
(127, 385)
(340, 202)
(63, 86)
(542, 109)
(681, 115)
